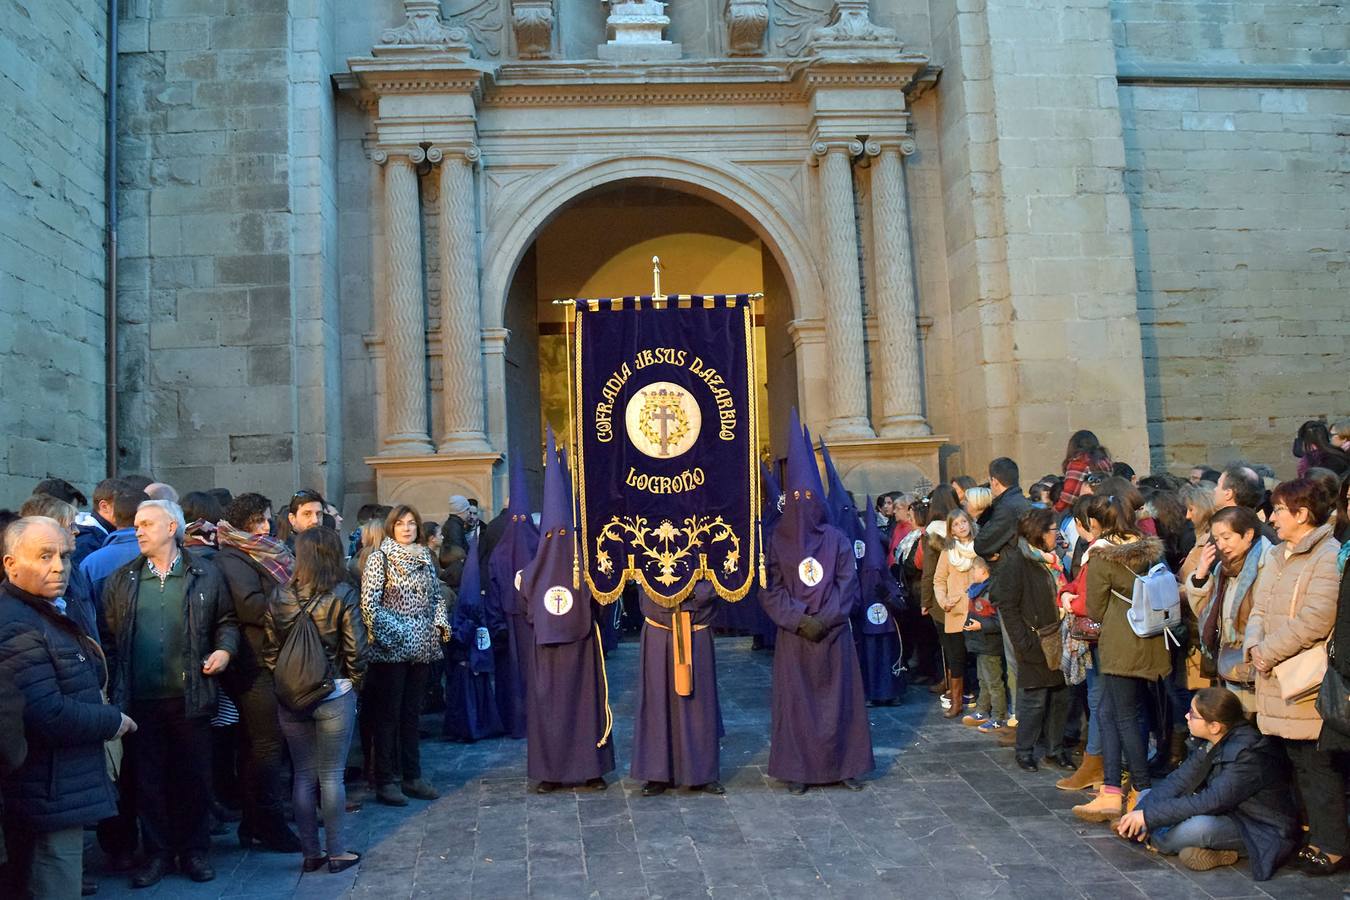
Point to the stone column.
(843, 292)
(405, 334)
(896, 308)
(461, 317)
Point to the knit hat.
(459, 505)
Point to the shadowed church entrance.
(601, 245)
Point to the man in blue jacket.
(57, 666)
(118, 548)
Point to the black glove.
(812, 629)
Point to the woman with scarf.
(405, 616)
(1027, 583)
(1129, 664)
(951, 581)
(253, 564)
(1221, 591)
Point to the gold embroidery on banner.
(670, 546)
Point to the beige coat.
(949, 592)
(1279, 635)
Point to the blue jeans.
(1123, 735)
(1206, 832)
(1094, 700)
(318, 744)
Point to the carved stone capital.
(821, 147)
(532, 23)
(423, 28)
(908, 146)
(747, 20)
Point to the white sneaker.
(945, 701)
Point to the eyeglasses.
(1095, 478)
(1279, 507)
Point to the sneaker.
(991, 726)
(1200, 859)
(945, 701)
(974, 718)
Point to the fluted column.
(896, 308)
(843, 297)
(461, 317)
(405, 333)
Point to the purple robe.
(820, 733)
(874, 621)
(565, 695)
(675, 739)
(471, 712)
(514, 646)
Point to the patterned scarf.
(273, 555)
(200, 533)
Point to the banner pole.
(572, 386)
(657, 296)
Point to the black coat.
(63, 781)
(1331, 739)
(1246, 776)
(996, 540)
(249, 586)
(337, 616)
(209, 621)
(1024, 593)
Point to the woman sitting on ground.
(1230, 798)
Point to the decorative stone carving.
(484, 20)
(405, 357)
(793, 24)
(461, 317)
(896, 307)
(851, 27)
(635, 31)
(424, 28)
(747, 21)
(532, 22)
(843, 294)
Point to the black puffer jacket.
(337, 614)
(996, 539)
(63, 782)
(1246, 776)
(209, 621)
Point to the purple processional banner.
(666, 443)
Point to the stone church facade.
(981, 226)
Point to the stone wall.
(1237, 176)
(207, 334)
(52, 213)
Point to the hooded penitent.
(514, 551)
(471, 711)
(561, 613)
(819, 732)
(843, 514)
(880, 592)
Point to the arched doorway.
(600, 244)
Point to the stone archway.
(796, 346)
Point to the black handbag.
(1333, 697)
(303, 674)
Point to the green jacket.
(1110, 578)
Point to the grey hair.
(170, 509)
(14, 534)
(161, 491)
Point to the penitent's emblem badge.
(663, 420)
(859, 549)
(482, 639)
(877, 615)
(558, 600)
(810, 572)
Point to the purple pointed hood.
(559, 613)
(843, 514)
(804, 530)
(516, 546)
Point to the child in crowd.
(984, 639)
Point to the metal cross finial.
(656, 280)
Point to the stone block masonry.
(52, 95)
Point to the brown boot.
(1102, 808)
(1089, 775)
(957, 695)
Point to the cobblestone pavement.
(947, 814)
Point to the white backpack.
(1155, 605)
